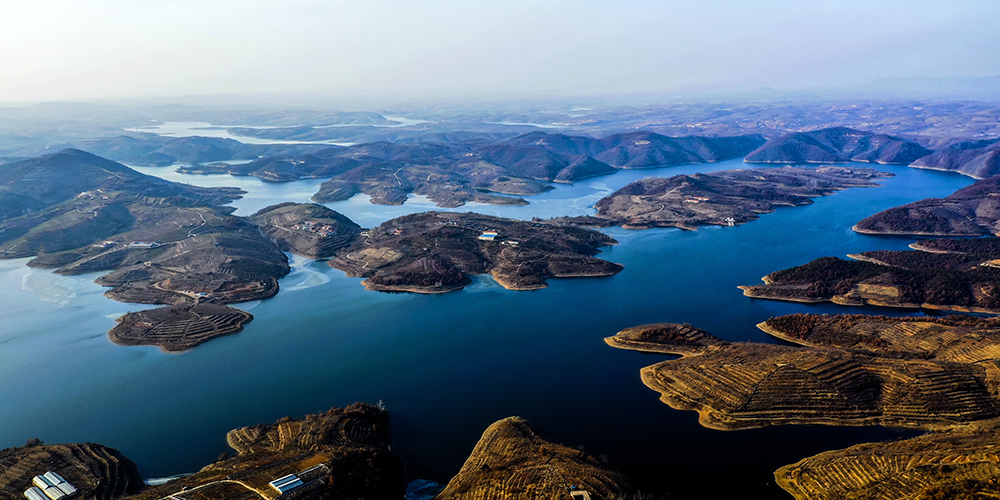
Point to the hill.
(970, 211)
(978, 159)
(452, 174)
(434, 252)
(512, 460)
(837, 145)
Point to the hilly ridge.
(837, 145)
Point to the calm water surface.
(446, 366)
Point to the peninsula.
(931, 279)
(306, 228)
(729, 197)
(970, 211)
(435, 252)
(748, 385)
(837, 145)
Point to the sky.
(94, 49)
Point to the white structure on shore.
(50, 486)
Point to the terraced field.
(946, 465)
(176, 329)
(512, 460)
(99, 473)
(746, 385)
(342, 453)
(940, 374)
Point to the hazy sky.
(79, 49)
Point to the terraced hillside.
(176, 329)
(356, 425)
(837, 144)
(163, 243)
(956, 465)
(512, 460)
(746, 385)
(911, 279)
(100, 473)
(340, 454)
(957, 339)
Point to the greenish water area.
(446, 366)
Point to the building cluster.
(314, 227)
(697, 199)
(144, 244)
(50, 486)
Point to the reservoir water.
(446, 366)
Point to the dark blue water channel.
(446, 366)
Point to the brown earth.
(435, 252)
(512, 461)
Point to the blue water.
(446, 366)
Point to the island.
(435, 252)
(512, 460)
(831, 382)
(929, 278)
(970, 211)
(837, 145)
(726, 198)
